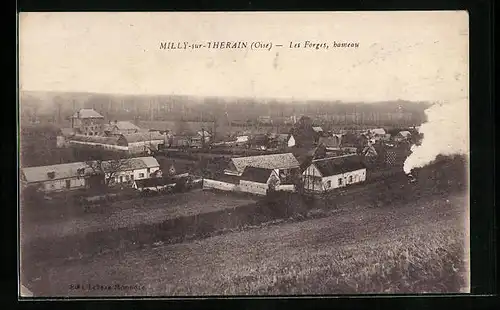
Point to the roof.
(242, 139)
(61, 171)
(143, 136)
(125, 125)
(153, 182)
(254, 174)
(95, 139)
(317, 128)
(87, 113)
(378, 131)
(283, 137)
(404, 133)
(272, 161)
(70, 170)
(337, 165)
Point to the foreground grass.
(412, 248)
(429, 258)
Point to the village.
(120, 154)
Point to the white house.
(282, 164)
(335, 172)
(258, 180)
(56, 178)
(131, 169)
(71, 176)
(403, 135)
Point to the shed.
(258, 180)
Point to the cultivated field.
(131, 213)
(416, 246)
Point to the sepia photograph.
(183, 154)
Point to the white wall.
(291, 141)
(208, 183)
(136, 173)
(357, 177)
(139, 147)
(286, 188)
(60, 185)
(253, 187)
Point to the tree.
(104, 171)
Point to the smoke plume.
(446, 132)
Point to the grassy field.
(132, 213)
(413, 247)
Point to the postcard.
(181, 154)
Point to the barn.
(334, 172)
(282, 164)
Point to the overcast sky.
(402, 55)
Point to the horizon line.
(228, 97)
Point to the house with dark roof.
(334, 172)
(258, 180)
(154, 184)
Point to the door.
(68, 184)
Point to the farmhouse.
(121, 128)
(335, 172)
(282, 164)
(258, 180)
(128, 170)
(76, 175)
(55, 178)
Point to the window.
(350, 179)
(121, 179)
(329, 184)
(141, 175)
(340, 181)
(90, 133)
(132, 177)
(68, 183)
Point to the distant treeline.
(60, 106)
